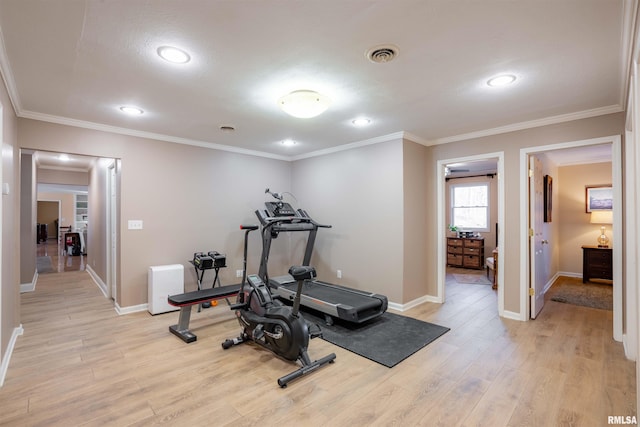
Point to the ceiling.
(76, 62)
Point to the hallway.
(52, 258)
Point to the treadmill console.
(280, 209)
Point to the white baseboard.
(512, 315)
(416, 302)
(29, 287)
(98, 281)
(4, 367)
(131, 309)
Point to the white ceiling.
(76, 62)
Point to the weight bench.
(188, 299)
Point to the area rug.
(573, 291)
(475, 279)
(387, 340)
(44, 265)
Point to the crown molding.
(7, 77)
(344, 147)
(148, 135)
(531, 124)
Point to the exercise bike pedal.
(258, 333)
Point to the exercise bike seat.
(302, 272)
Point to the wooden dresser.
(465, 252)
(597, 263)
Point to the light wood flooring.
(80, 364)
(60, 260)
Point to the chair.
(492, 264)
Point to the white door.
(536, 238)
(111, 231)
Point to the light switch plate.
(135, 224)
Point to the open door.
(536, 238)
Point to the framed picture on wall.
(548, 193)
(598, 198)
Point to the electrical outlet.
(135, 224)
(238, 273)
(339, 274)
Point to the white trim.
(532, 124)
(512, 315)
(616, 159)
(29, 287)
(98, 281)
(411, 304)
(142, 134)
(6, 358)
(7, 76)
(344, 147)
(131, 309)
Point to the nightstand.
(597, 263)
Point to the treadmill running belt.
(334, 295)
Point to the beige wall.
(66, 205)
(419, 247)
(28, 220)
(575, 230)
(189, 199)
(54, 176)
(511, 143)
(10, 205)
(359, 192)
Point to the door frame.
(441, 226)
(616, 162)
(111, 231)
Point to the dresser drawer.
(458, 250)
(454, 242)
(471, 261)
(454, 259)
(473, 243)
(472, 251)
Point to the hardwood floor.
(60, 260)
(80, 364)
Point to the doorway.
(527, 271)
(463, 167)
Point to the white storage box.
(164, 280)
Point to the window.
(470, 206)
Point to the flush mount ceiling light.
(173, 54)
(304, 104)
(132, 111)
(501, 80)
(288, 142)
(361, 121)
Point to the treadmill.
(333, 301)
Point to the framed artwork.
(548, 193)
(598, 198)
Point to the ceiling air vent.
(382, 54)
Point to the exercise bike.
(272, 324)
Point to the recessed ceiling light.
(501, 80)
(173, 54)
(304, 104)
(361, 121)
(132, 111)
(288, 142)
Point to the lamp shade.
(304, 103)
(601, 217)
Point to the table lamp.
(602, 217)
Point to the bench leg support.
(181, 330)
